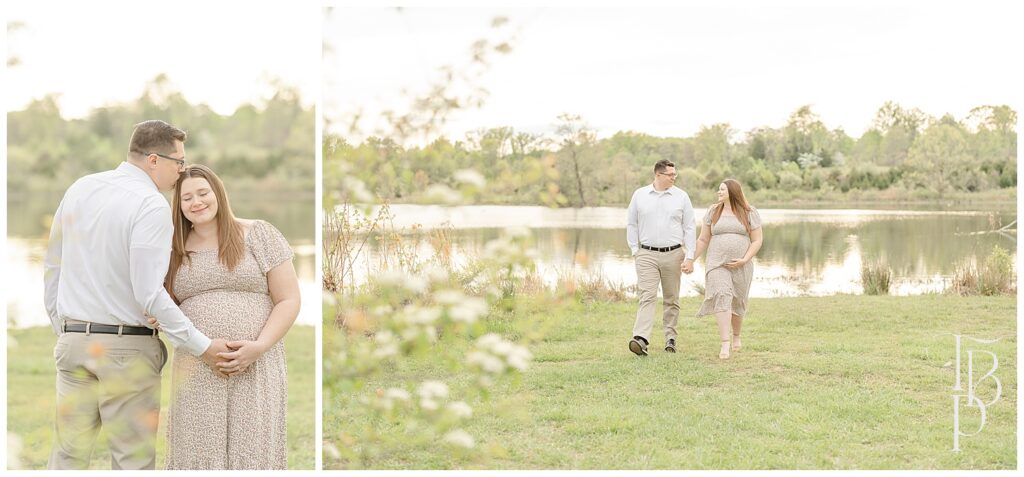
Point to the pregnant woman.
(732, 237)
(235, 280)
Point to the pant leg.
(669, 264)
(77, 418)
(648, 277)
(129, 399)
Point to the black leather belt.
(119, 330)
(662, 249)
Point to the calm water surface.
(805, 252)
(28, 229)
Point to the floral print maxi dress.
(236, 422)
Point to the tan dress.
(236, 422)
(724, 289)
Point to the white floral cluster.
(430, 397)
(415, 318)
(461, 308)
(510, 247)
(470, 177)
(494, 356)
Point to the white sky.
(222, 53)
(666, 71)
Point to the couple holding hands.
(660, 223)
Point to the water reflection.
(29, 225)
(23, 279)
(805, 253)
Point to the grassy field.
(30, 398)
(844, 382)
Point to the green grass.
(847, 382)
(31, 396)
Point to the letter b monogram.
(972, 398)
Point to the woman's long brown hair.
(737, 201)
(230, 239)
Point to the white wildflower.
(386, 351)
(435, 273)
(416, 284)
(428, 404)
(422, 316)
(329, 448)
(391, 277)
(460, 438)
(382, 310)
(502, 348)
(443, 194)
(460, 409)
(329, 299)
(448, 297)
(397, 394)
(356, 189)
(488, 341)
(397, 278)
(387, 345)
(519, 358)
(486, 362)
(384, 337)
(470, 176)
(431, 333)
(411, 333)
(468, 310)
(433, 389)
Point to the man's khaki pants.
(111, 381)
(653, 269)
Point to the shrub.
(876, 278)
(996, 275)
(965, 278)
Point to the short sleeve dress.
(724, 289)
(237, 422)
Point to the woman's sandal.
(736, 344)
(724, 353)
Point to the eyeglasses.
(181, 162)
(672, 175)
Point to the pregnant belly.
(729, 246)
(228, 315)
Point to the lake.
(806, 252)
(28, 229)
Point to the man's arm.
(51, 268)
(689, 229)
(149, 256)
(632, 226)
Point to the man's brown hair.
(663, 164)
(154, 136)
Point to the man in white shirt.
(110, 244)
(660, 228)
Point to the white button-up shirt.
(661, 219)
(110, 245)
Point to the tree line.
(266, 145)
(906, 153)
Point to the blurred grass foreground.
(31, 395)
